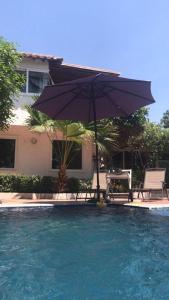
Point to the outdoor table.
(125, 174)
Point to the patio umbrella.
(94, 98)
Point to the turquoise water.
(84, 254)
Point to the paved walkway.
(146, 204)
(149, 204)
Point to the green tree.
(10, 81)
(165, 120)
(72, 132)
(107, 139)
(130, 128)
(150, 142)
(130, 137)
(153, 142)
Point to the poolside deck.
(10, 200)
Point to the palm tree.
(72, 132)
(107, 139)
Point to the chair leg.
(162, 193)
(167, 194)
(130, 196)
(165, 191)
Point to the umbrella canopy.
(94, 98)
(114, 97)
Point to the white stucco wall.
(36, 158)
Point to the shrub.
(39, 184)
(19, 183)
(85, 184)
(48, 184)
(73, 184)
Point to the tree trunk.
(62, 178)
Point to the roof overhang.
(61, 71)
(42, 57)
(66, 72)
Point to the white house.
(25, 152)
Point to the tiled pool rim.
(12, 200)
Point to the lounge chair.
(118, 175)
(91, 193)
(154, 181)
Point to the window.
(7, 153)
(37, 81)
(75, 155)
(34, 81)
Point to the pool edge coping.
(54, 205)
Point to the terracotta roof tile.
(41, 56)
(59, 60)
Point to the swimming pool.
(84, 254)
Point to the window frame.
(15, 155)
(27, 70)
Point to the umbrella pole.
(97, 151)
(97, 164)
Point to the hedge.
(47, 184)
(39, 184)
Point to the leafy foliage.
(73, 132)
(10, 81)
(153, 142)
(68, 131)
(136, 119)
(131, 127)
(37, 184)
(165, 120)
(107, 134)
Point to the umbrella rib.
(81, 83)
(53, 97)
(127, 92)
(66, 105)
(77, 83)
(126, 80)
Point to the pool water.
(84, 254)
